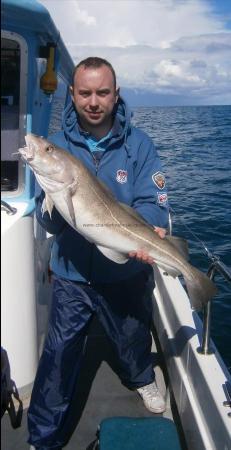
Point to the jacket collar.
(119, 129)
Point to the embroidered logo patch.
(159, 179)
(122, 176)
(162, 198)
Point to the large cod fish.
(116, 229)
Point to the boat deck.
(101, 395)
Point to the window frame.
(10, 35)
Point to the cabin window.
(11, 113)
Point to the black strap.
(9, 393)
(94, 445)
(15, 414)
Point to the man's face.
(94, 95)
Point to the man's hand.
(142, 255)
(160, 231)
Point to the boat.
(37, 68)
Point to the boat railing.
(170, 223)
(216, 266)
(8, 208)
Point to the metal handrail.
(220, 267)
(8, 208)
(217, 266)
(169, 223)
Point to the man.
(97, 129)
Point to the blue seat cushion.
(132, 433)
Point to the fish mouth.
(26, 153)
(29, 150)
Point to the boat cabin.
(31, 46)
(36, 73)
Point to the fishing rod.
(207, 251)
(215, 266)
(216, 261)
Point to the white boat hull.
(22, 313)
(197, 380)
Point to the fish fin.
(117, 257)
(200, 289)
(180, 244)
(44, 206)
(47, 205)
(73, 187)
(68, 198)
(169, 270)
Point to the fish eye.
(49, 148)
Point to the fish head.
(49, 163)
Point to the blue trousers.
(125, 311)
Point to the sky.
(165, 52)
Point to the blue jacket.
(130, 167)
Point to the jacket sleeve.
(150, 194)
(53, 225)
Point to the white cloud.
(83, 16)
(164, 46)
(131, 22)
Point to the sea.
(194, 144)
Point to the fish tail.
(200, 288)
